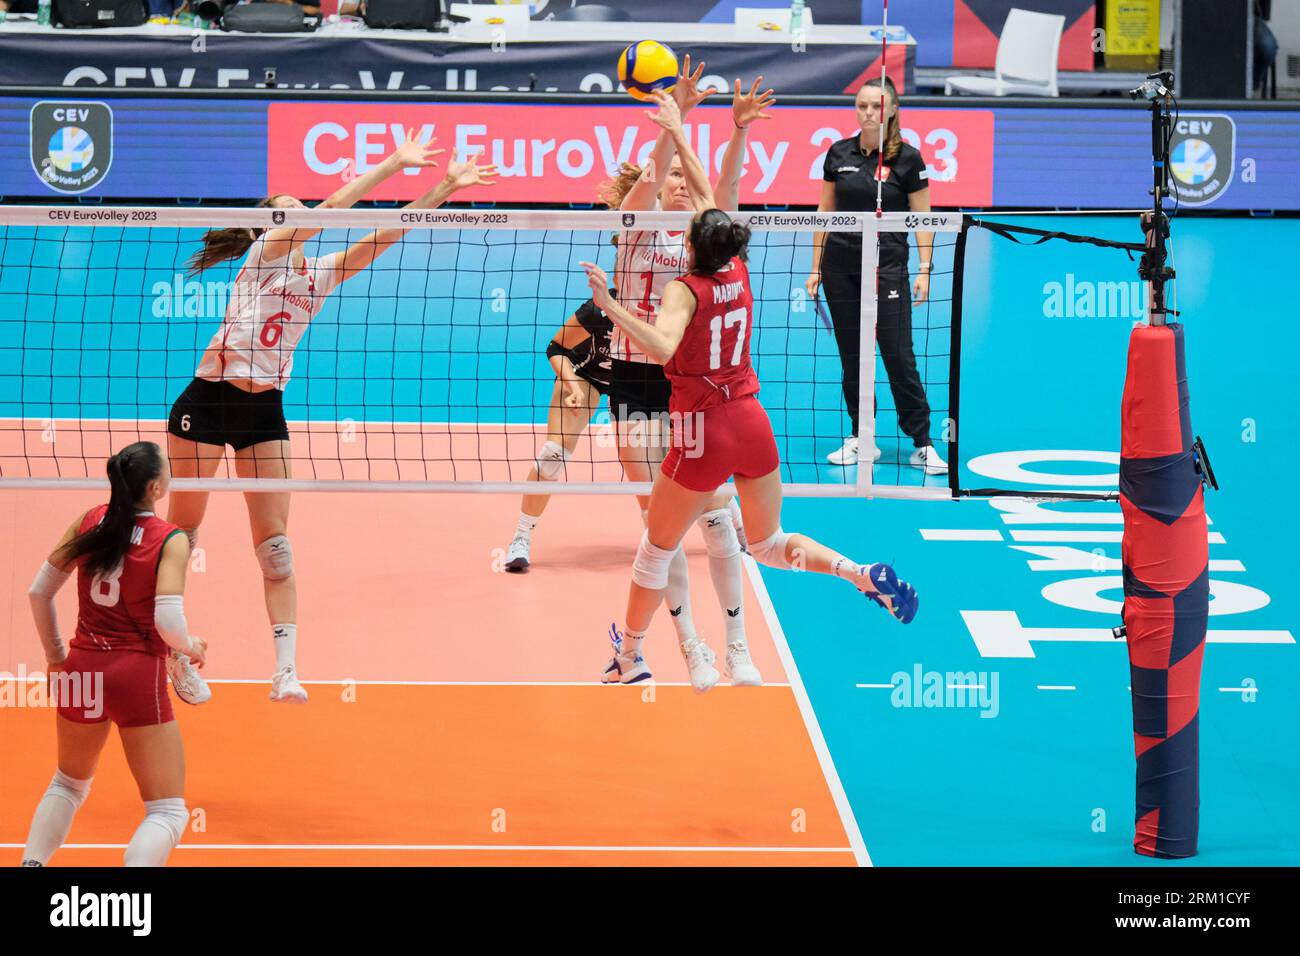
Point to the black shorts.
(218, 413)
(637, 388)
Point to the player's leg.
(80, 744)
(720, 528)
(673, 508)
(190, 459)
(760, 501)
(565, 424)
(268, 518)
(156, 757)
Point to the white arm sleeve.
(41, 595)
(169, 619)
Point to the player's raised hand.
(598, 283)
(747, 107)
(470, 173)
(669, 115)
(413, 153)
(687, 92)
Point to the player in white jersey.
(638, 397)
(236, 396)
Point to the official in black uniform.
(850, 185)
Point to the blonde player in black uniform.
(579, 355)
(639, 391)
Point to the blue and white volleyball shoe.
(903, 601)
(624, 667)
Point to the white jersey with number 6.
(270, 307)
(647, 261)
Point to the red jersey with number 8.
(115, 609)
(711, 365)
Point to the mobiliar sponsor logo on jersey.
(552, 153)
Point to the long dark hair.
(893, 129)
(129, 473)
(716, 240)
(220, 245)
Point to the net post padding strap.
(1166, 589)
(1007, 231)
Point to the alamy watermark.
(71, 690)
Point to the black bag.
(100, 13)
(402, 14)
(267, 18)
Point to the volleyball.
(647, 66)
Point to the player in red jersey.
(130, 568)
(702, 335)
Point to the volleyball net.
(428, 370)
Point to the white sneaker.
(699, 661)
(517, 553)
(286, 688)
(928, 460)
(187, 683)
(740, 669)
(624, 668)
(848, 453)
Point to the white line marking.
(961, 534)
(1238, 690)
(875, 686)
(1057, 687)
(1088, 537)
(814, 729)
(450, 847)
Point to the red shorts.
(734, 438)
(127, 687)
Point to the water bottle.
(43, 13)
(796, 17)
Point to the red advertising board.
(554, 153)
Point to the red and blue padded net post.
(1166, 589)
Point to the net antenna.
(880, 147)
(1157, 90)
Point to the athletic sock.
(53, 818)
(632, 641)
(286, 644)
(526, 524)
(158, 833)
(678, 596)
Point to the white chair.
(1028, 51)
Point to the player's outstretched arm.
(659, 341)
(745, 108)
(358, 257)
(410, 155)
(697, 178)
(687, 95)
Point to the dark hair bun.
(717, 240)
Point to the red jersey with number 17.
(711, 365)
(115, 609)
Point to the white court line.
(876, 686)
(961, 534)
(1237, 690)
(451, 847)
(1057, 687)
(847, 820)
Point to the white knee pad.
(74, 791)
(719, 533)
(161, 829)
(551, 461)
(771, 551)
(171, 814)
(276, 558)
(650, 568)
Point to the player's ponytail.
(129, 473)
(717, 240)
(221, 245)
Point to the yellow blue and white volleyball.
(647, 66)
